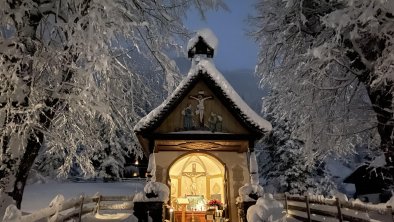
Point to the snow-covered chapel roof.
(207, 35)
(207, 71)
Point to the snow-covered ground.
(38, 196)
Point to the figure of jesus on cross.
(200, 106)
(193, 175)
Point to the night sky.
(236, 50)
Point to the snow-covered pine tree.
(331, 63)
(61, 70)
(283, 163)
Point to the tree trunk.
(18, 160)
(382, 101)
(13, 177)
(33, 146)
(18, 163)
(381, 96)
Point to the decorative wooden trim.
(191, 136)
(230, 145)
(151, 145)
(208, 186)
(179, 184)
(217, 176)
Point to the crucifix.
(200, 105)
(193, 177)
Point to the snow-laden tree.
(109, 161)
(63, 76)
(282, 161)
(332, 64)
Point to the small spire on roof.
(203, 43)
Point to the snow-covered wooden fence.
(74, 208)
(318, 208)
(304, 208)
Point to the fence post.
(390, 212)
(340, 217)
(308, 209)
(286, 205)
(80, 208)
(98, 204)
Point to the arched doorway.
(200, 177)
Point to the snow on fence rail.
(304, 208)
(61, 210)
(318, 208)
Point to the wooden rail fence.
(304, 208)
(75, 208)
(318, 208)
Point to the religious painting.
(195, 118)
(200, 107)
(215, 122)
(187, 113)
(194, 181)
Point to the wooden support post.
(80, 208)
(98, 204)
(390, 212)
(338, 203)
(183, 213)
(308, 209)
(286, 205)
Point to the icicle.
(253, 169)
(151, 171)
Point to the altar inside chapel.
(199, 178)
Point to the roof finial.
(203, 43)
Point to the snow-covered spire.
(151, 171)
(203, 43)
(253, 169)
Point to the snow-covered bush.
(250, 192)
(12, 214)
(153, 191)
(266, 209)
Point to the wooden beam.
(212, 136)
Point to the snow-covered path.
(120, 217)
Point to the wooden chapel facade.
(201, 135)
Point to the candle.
(171, 214)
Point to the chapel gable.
(201, 110)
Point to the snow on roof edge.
(209, 68)
(208, 36)
(144, 121)
(217, 76)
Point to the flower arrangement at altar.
(215, 203)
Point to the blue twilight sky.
(235, 50)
